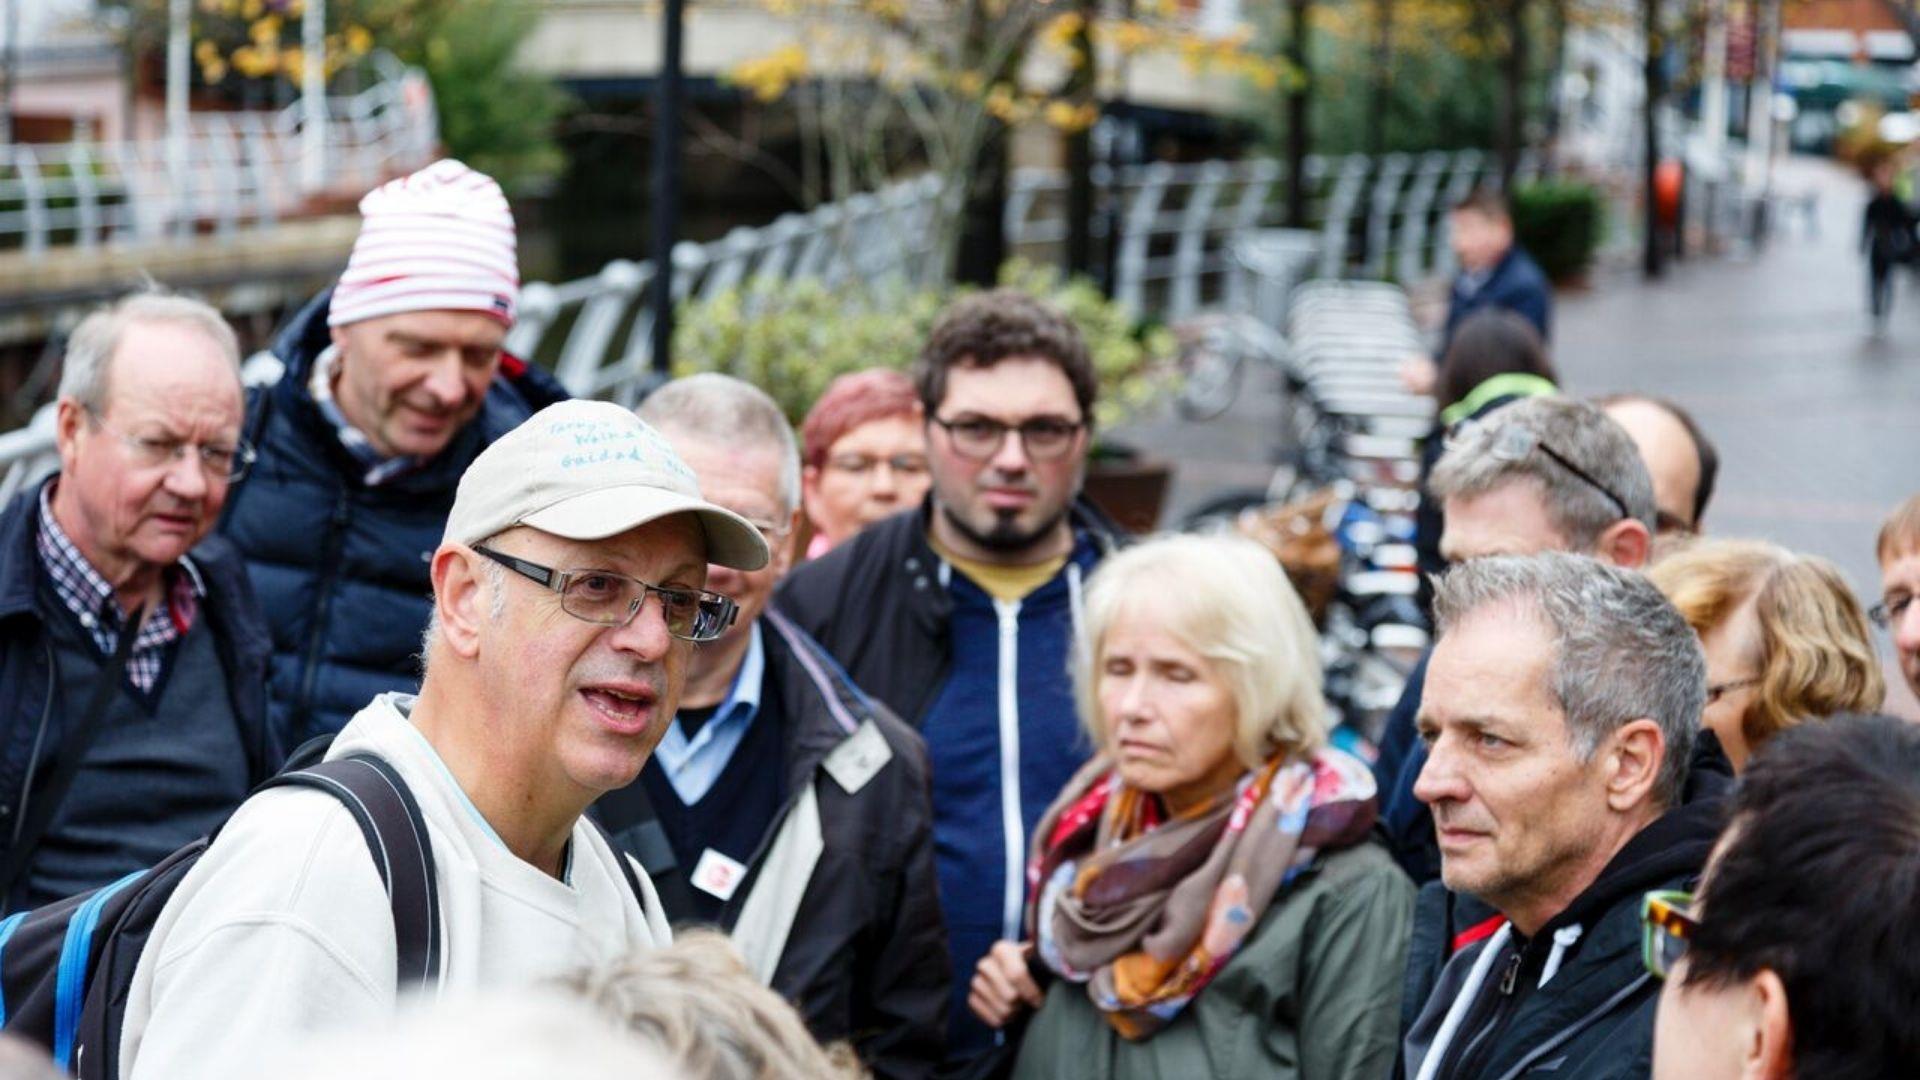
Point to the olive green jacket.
(1314, 994)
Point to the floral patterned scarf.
(1147, 909)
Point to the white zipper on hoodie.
(1012, 825)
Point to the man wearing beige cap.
(393, 382)
(568, 593)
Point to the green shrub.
(792, 338)
(1560, 223)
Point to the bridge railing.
(234, 170)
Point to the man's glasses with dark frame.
(979, 438)
(609, 599)
(1513, 443)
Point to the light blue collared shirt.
(692, 765)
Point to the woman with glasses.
(864, 452)
(1203, 898)
(1785, 639)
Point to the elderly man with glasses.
(132, 658)
(1543, 474)
(959, 617)
(569, 593)
(784, 805)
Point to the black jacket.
(1594, 1019)
(341, 568)
(1516, 283)
(865, 957)
(877, 604)
(34, 726)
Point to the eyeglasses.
(979, 438)
(860, 465)
(1513, 442)
(1667, 925)
(1890, 611)
(610, 599)
(224, 463)
(1716, 691)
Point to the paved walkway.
(1816, 418)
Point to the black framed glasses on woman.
(610, 599)
(979, 438)
(1514, 442)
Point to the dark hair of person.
(1489, 342)
(1486, 202)
(1819, 882)
(1703, 448)
(983, 329)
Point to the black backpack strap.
(80, 739)
(396, 835)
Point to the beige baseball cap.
(586, 470)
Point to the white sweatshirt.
(283, 927)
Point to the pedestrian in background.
(1785, 640)
(1886, 237)
(1205, 896)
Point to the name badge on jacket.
(716, 875)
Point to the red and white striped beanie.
(441, 239)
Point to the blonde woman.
(1203, 896)
(1786, 641)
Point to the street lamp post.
(666, 183)
(313, 96)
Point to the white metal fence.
(238, 170)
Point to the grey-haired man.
(569, 591)
(1561, 706)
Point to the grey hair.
(86, 367)
(1622, 652)
(730, 412)
(1578, 432)
(496, 578)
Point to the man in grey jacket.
(783, 804)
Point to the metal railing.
(1378, 218)
(236, 169)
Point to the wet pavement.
(1817, 418)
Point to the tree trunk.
(1299, 98)
(1378, 115)
(1513, 93)
(983, 241)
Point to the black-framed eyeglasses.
(228, 463)
(610, 599)
(1513, 442)
(1890, 610)
(1716, 691)
(1667, 924)
(979, 438)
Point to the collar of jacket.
(518, 390)
(1507, 384)
(830, 721)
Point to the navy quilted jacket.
(340, 568)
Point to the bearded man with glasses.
(133, 659)
(784, 805)
(959, 617)
(569, 593)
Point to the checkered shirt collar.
(90, 598)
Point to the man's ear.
(1770, 1057)
(1625, 544)
(68, 416)
(1633, 763)
(459, 598)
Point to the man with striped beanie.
(393, 381)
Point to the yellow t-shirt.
(1002, 582)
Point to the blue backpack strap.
(396, 834)
(70, 986)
